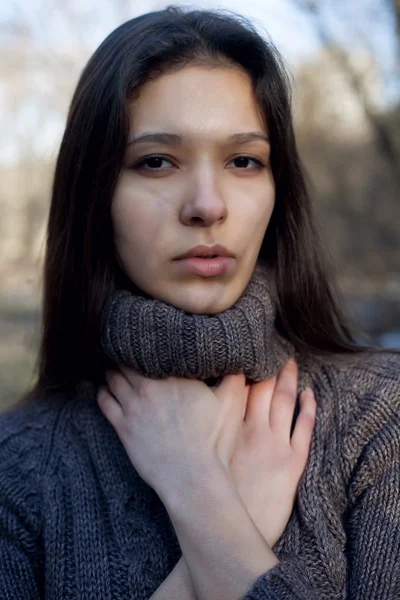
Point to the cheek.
(136, 220)
(266, 201)
(267, 209)
(256, 208)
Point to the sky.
(292, 31)
(289, 28)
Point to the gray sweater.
(78, 523)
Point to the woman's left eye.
(245, 159)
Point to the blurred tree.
(357, 79)
(396, 5)
(39, 70)
(356, 197)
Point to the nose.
(205, 204)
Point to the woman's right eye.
(154, 163)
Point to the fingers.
(120, 387)
(302, 433)
(109, 406)
(232, 390)
(230, 383)
(284, 399)
(259, 402)
(134, 377)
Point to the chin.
(204, 310)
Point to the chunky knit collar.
(160, 340)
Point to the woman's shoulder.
(380, 363)
(27, 433)
(363, 402)
(372, 439)
(360, 392)
(375, 372)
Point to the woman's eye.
(154, 163)
(243, 162)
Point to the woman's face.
(203, 189)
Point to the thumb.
(234, 391)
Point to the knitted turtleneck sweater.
(160, 340)
(78, 523)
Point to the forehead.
(199, 100)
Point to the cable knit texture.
(78, 523)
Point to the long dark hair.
(80, 269)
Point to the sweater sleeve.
(286, 581)
(373, 520)
(19, 515)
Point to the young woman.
(171, 448)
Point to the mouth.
(207, 252)
(207, 266)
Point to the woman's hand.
(175, 429)
(267, 463)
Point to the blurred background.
(344, 58)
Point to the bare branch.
(356, 83)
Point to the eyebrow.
(173, 139)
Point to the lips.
(206, 267)
(206, 252)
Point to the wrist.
(224, 550)
(178, 584)
(200, 480)
(186, 576)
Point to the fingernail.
(309, 392)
